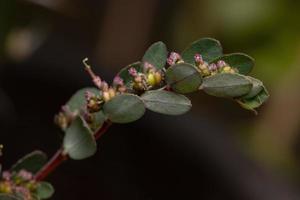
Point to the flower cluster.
(148, 79)
(65, 117)
(213, 68)
(20, 184)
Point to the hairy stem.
(58, 158)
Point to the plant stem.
(58, 158)
(52, 164)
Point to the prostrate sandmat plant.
(157, 83)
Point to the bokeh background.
(216, 151)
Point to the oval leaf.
(256, 88)
(79, 142)
(44, 190)
(32, 162)
(77, 101)
(209, 48)
(242, 62)
(254, 102)
(124, 108)
(226, 85)
(98, 120)
(156, 55)
(124, 74)
(183, 78)
(166, 102)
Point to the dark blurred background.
(216, 151)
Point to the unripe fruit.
(205, 72)
(5, 187)
(158, 77)
(112, 92)
(106, 96)
(93, 105)
(151, 79)
(226, 69)
(138, 86)
(203, 66)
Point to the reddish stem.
(52, 164)
(58, 158)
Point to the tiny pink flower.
(221, 63)
(212, 67)
(198, 58)
(118, 81)
(173, 58)
(6, 175)
(25, 175)
(148, 66)
(132, 71)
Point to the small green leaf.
(98, 120)
(166, 102)
(32, 162)
(256, 101)
(79, 142)
(124, 74)
(226, 85)
(156, 55)
(209, 48)
(8, 197)
(256, 89)
(77, 101)
(124, 108)
(183, 78)
(44, 190)
(242, 62)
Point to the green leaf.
(79, 143)
(44, 190)
(209, 48)
(77, 101)
(8, 197)
(256, 89)
(226, 85)
(31, 162)
(124, 108)
(166, 102)
(256, 101)
(98, 120)
(156, 55)
(242, 62)
(124, 74)
(183, 78)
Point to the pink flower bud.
(6, 175)
(212, 67)
(198, 58)
(23, 191)
(173, 58)
(25, 175)
(132, 71)
(221, 63)
(147, 66)
(118, 81)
